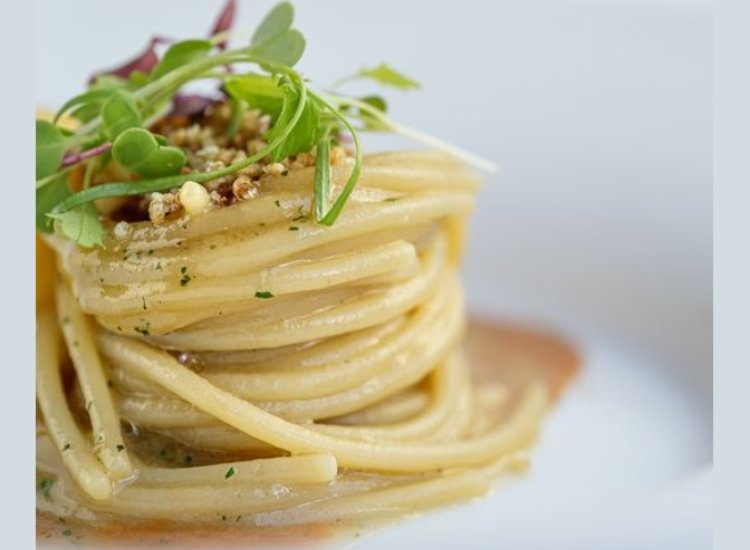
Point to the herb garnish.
(263, 294)
(229, 473)
(119, 108)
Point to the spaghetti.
(248, 362)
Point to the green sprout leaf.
(110, 82)
(372, 122)
(50, 148)
(257, 91)
(179, 54)
(139, 151)
(119, 113)
(278, 21)
(305, 133)
(92, 99)
(47, 197)
(275, 42)
(82, 225)
(283, 49)
(388, 76)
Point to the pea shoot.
(120, 107)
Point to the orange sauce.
(498, 351)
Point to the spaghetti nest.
(247, 361)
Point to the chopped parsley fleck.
(185, 277)
(212, 247)
(65, 320)
(293, 228)
(277, 203)
(223, 517)
(142, 330)
(150, 251)
(45, 486)
(66, 447)
(119, 328)
(188, 458)
(158, 267)
(230, 472)
(120, 448)
(390, 199)
(67, 533)
(143, 298)
(110, 383)
(265, 294)
(240, 517)
(299, 218)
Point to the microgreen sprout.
(120, 107)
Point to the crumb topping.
(209, 147)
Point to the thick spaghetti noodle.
(265, 367)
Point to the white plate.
(598, 225)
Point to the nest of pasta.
(247, 361)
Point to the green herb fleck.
(120, 448)
(229, 473)
(67, 533)
(66, 447)
(45, 486)
(293, 228)
(265, 294)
